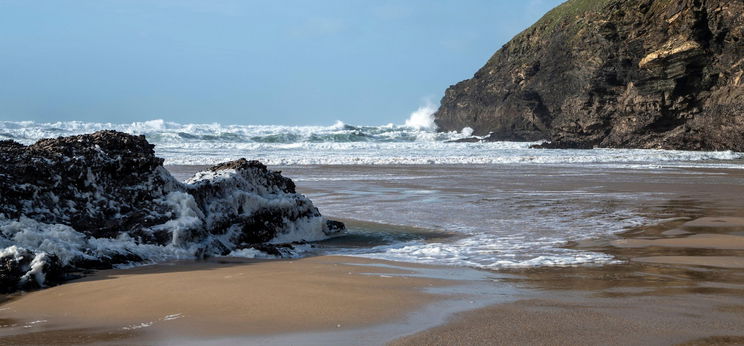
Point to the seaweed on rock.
(98, 200)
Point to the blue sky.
(244, 62)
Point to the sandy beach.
(676, 280)
(691, 292)
(566, 321)
(665, 299)
(366, 173)
(226, 297)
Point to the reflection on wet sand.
(678, 278)
(682, 283)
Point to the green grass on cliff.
(572, 10)
(568, 11)
(564, 16)
(569, 18)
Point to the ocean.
(344, 144)
(408, 193)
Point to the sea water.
(343, 144)
(510, 215)
(411, 194)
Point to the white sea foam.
(503, 216)
(414, 143)
(342, 144)
(70, 245)
(172, 317)
(423, 118)
(248, 253)
(489, 251)
(228, 193)
(508, 242)
(138, 326)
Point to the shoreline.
(234, 298)
(683, 271)
(352, 300)
(690, 292)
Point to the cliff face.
(614, 73)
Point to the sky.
(289, 62)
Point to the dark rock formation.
(23, 269)
(94, 201)
(97, 184)
(614, 73)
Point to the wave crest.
(423, 118)
(344, 144)
(419, 127)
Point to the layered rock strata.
(613, 73)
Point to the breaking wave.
(163, 132)
(423, 118)
(415, 142)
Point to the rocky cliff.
(614, 73)
(104, 199)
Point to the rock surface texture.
(98, 200)
(614, 73)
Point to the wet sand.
(691, 292)
(678, 281)
(707, 261)
(720, 233)
(566, 321)
(663, 299)
(230, 297)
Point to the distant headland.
(613, 73)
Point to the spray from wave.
(414, 142)
(419, 127)
(423, 118)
